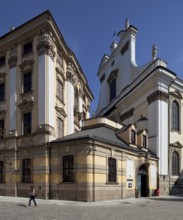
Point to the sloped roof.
(103, 134)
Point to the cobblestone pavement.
(169, 208)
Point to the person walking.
(32, 196)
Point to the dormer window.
(133, 137)
(112, 84)
(144, 139)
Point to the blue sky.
(88, 27)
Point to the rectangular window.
(112, 170)
(133, 137)
(112, 89)
(27, 48)
(27, 84)
(26, 171)
(2, 61)
(59, 90)
(27, 123)
(68, 168)
(144, 141)
(1, 129)
(1, 171)
(2, 92)
(60, 127)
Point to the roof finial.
(154, 52)
(127, 24)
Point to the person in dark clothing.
(32, 196)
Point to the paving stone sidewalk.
(168, 208)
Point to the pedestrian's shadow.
(22, 205)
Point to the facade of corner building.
(131, 147)
(150, 98)
(44, 95)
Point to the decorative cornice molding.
(127, 114)
(176, 145)
(60, 72)
(157, 95)
(61, 111)
(26, 105)
(26, 63)
(176, 95)
(45, 47)
(12, 61)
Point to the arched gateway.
(142, 181)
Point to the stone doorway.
(142, 181)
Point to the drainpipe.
(169, 132)
(93, 158)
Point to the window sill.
(111, 183)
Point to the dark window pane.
(1, 129)
(27, 123)
(60, 127)
(133, 137)
(59, 90)
(27, 48)
(1, 171)
(26, 172)
(68, 168)
(112, 170)
(2, 92)
(27, 82)
(112, 89)
(175, 116)
(2, 61)
(175, 164)
(144, 141)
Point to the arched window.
(175, 163)
(175, 116)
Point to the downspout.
(48, 170)
(93, 160)
(169, 105)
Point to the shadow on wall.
(176, 185)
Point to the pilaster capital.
(157, 95)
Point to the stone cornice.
(127, 114)
(157, 95)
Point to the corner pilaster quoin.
(12, 60)
(157, 95)
(46, 45)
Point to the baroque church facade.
(131, 147)
(148, 98)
